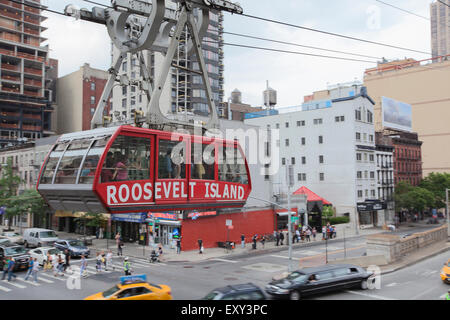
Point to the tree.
(327, 212)
(412, 198)
(436, 183)
(91, 219)
(28, 202)
(9, 184)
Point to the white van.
(36, 237)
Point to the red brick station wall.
(213, 229)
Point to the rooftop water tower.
(236, 97)
(270, 97)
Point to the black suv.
(246, 291)
(19, 253)
(316, 280)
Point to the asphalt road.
(194, 280)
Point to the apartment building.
(184, 93)
(331, 146)
(440, 27)
(25, 97)
(78, 94)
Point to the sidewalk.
(170, 255)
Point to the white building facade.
(332, 151)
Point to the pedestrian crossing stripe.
(5, 289)
(29, 282)
(44, 280)
(15, 284)
(52, 277)
(307, 252)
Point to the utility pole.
(447, 211)
(289, 182)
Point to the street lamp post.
(447, 211)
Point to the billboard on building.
(396, 114)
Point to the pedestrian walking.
(119, 244)
(11, 265)
(109, 257)
(83, 266)
(104, 259)
(281, 237)
(297, 235)
(5, 267)
(60, 265)
(324, 232)
(160, 251)
(308, 235)
(263, 240)
(179, 245)
(254, 238)
(35, 270)
(200, 246)
(242, 241)
(314, 233)
(98, 263)
(30, 268)
(334, 231)
(67, 258)
(127, 267)
(277, 238)
(55, 266)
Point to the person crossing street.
(83, 266)
(109, 257)
(11, 274)
(127, 267)
(30, 268)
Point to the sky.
(74, 42)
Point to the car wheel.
(364, 284)
(294, 295)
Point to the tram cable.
(404, 10)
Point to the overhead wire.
(444, 3)
(404, 10)
(332, 33)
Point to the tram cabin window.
(52, 162)
(171, 160)
(232, 165)
(127, 159)
(90, 163)
(202, 161)
(70, 163)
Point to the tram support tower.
(156, 25)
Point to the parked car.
(41, 254)
(39, 237)
(76, 247)
(246, 291)
(12, 236)
(19, 253)
(310, 281)
(3, 240)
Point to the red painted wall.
(213, 229)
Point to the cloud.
(74, 42)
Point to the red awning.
(311, 196)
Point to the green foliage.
(339, 220)
(436, 183)
(327, 212)
(413, 198)
(9, 183)
(28, 202)
(91, 219)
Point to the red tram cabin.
(128, 169)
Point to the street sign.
(294, 218)
(229, 222)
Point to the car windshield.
(211, 296)
(47, 234)
(76, 243)
(110, 292)
(15, 250)
(295, 275)
(53, 251)
(11, 234)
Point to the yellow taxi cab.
(445, 272)
(134, 288)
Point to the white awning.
(169, 222)
(283, 214)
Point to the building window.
(320, 159)
(366, 193)
(372, 174)
(277, 126)
(303, 141)
(301, 123)
(303, 160)
(371, 158)
(369, 117)
(360, 194)
(301, 177)
(359, 174)
(92, 86)
(293, 160)
(358, 114)
(320, 139)
(339, 119)
(92, 100)
(287, 124)
(283, 161)
(286, 142)
(124, 103)
(318, 121)
(124, 90)
(124, 66)
(372, 193)
(358, 136)
(92, 111)
(321, 176)
(358, 156)
(371, 137)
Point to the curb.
(422, 258)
